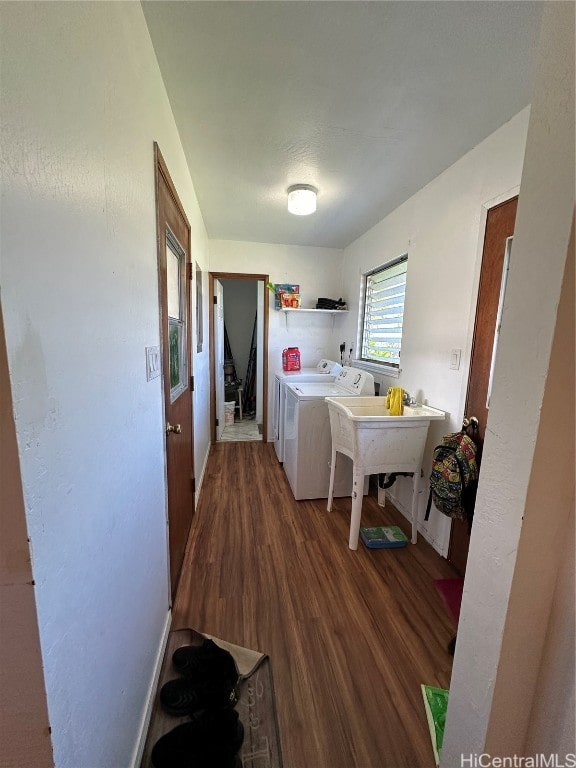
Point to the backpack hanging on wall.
(454, 477)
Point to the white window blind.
(384, 291)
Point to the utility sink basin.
(363, 429)
(372, 410)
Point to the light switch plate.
(152, 363)
(455, 355)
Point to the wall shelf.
(325, 311)
(301, 310)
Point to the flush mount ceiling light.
(302, 199)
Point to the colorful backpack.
(454, 477)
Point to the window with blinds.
(384, 290)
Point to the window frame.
(392, 368)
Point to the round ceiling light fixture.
(302, 199)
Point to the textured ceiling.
(367, 101)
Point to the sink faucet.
(408, 399)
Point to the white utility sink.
(363, 429)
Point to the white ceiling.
(367, 101)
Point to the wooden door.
(174, 277)
(499, 228)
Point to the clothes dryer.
(325, 370)
(307, 435)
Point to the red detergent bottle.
(291, 359)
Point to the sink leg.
(356, 514)
(331, 486)
(415, 489)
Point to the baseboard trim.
(147, 714)
(423, 530)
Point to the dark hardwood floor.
(351, 635)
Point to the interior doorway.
(496, 252)
(238, 356)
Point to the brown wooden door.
(499, 227)
(174, 276)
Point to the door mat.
(256, 706)
(451, 592)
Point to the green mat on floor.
(435, 704)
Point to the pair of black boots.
(207, 692)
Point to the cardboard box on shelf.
(282, 288)
(290, 300)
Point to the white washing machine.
(307, 436)
(325, 370)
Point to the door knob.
(175, 428)
(470, 422)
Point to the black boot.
(209, 740)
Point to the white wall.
(441, 228)
(201, 361)
(510, 620)
(82, 103)
(316, 270)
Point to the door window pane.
(173, 281)
(175, 276)
(176, 357)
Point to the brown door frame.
(161, 171)
(237, 276)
